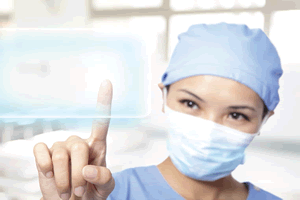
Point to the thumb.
(101, 178)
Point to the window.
(215, 4)
(178, 15)
(289, 46)
(116, 4)
(6, 7)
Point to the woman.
(222, 84)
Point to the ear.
(161, 86)
(270, 114)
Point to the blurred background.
(273, 158)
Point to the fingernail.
(79, 191)
(104, 83)
(65, 196)
(90, 172)
(49, 174)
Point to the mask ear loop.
(164, 98)
(264, 121)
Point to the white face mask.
(202, 149)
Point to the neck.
(193, 189)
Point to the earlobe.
(161, 86)
(267, 117)
(271, 113)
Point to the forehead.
(210, 85)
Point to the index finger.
(103, 108)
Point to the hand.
(65, 170)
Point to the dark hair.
(265, 107)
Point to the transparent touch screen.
(57, 73)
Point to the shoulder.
(256, 193)
(133, 173)
(141, 183)
(137, 177)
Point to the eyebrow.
(183, 90)
(230, 107)
(241, 107)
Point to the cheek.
(174, 104)
(252, 127)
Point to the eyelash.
(186, 100)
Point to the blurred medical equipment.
(39, 67)
(15, 129)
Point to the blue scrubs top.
(146, 183)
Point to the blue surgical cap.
(231, 51)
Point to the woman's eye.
(238, 116)
(189, 104)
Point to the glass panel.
(284, 33)
(57, 73)
(181, 23)
(113, 4)
(152, 31)
(215, 4)
(6, 6)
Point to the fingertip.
(89, 172)
(105, 83)
(103, 178)
(42, 159)
(39, 147)
(105, 87)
